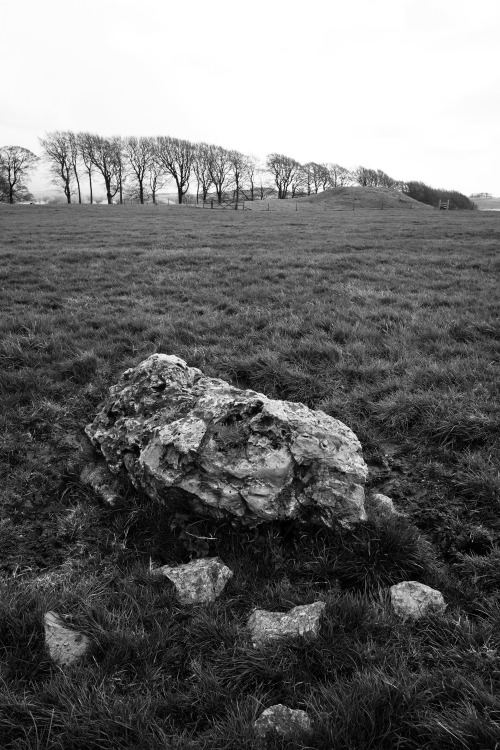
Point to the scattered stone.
(271, 626)
(412, 600)
(198, 582)
(65, 646)
(383, 505)
(283, 720)
(198, 442)
(103, 482)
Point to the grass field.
(387, 320)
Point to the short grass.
(388, 321)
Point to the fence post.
(211, 203)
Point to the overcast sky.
(408, 86)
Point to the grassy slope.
(388, 321)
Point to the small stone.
(384, 505)
(200, 581)
(303, 620)
(65, 646)
(97, 476)
(413, 600)
(282, 720)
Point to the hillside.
(363, 197)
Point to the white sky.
(408, 86)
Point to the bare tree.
(105, 158)
(201, 169)
(86, 147)
(75, 155)
(251, 174)
(220, 167)
(16, 163)
(284, 170)
(156, 175)
(120, 164)
(176, 157)
(298, 184)
(265, 183)
(57, 153)
(239, 167)
(339, 176)
(139, 154)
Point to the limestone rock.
(199, 442)
(412, 600)
(199, 581)
(65, 646)
(283, 720)
(271, 626)
(384, 506)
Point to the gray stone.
(284, 721)
(103, 482)
(413, 600)
(199, 442)
(303, 620)
(384, 506)
(198, 582)
(65, 646)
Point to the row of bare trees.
(139, 167)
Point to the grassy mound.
(362, 197)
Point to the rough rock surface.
(412, 600)
(199, 581)
(65, 646)
(102, 481)
(384, 505)
(271, 626)
(282, 720)
(220, 451)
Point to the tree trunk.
(180, 194)
(107, 182)
(78, 185)
(141, 192)
(91, 193)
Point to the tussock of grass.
(385, 320)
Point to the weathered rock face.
(412, 600)
(272, 626)
(200, 581)
(225, 452)
(65, 646)
(284, 721)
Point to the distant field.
(386, 319)
(487, 204)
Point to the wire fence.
(286, 206)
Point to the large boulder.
(227, 453)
